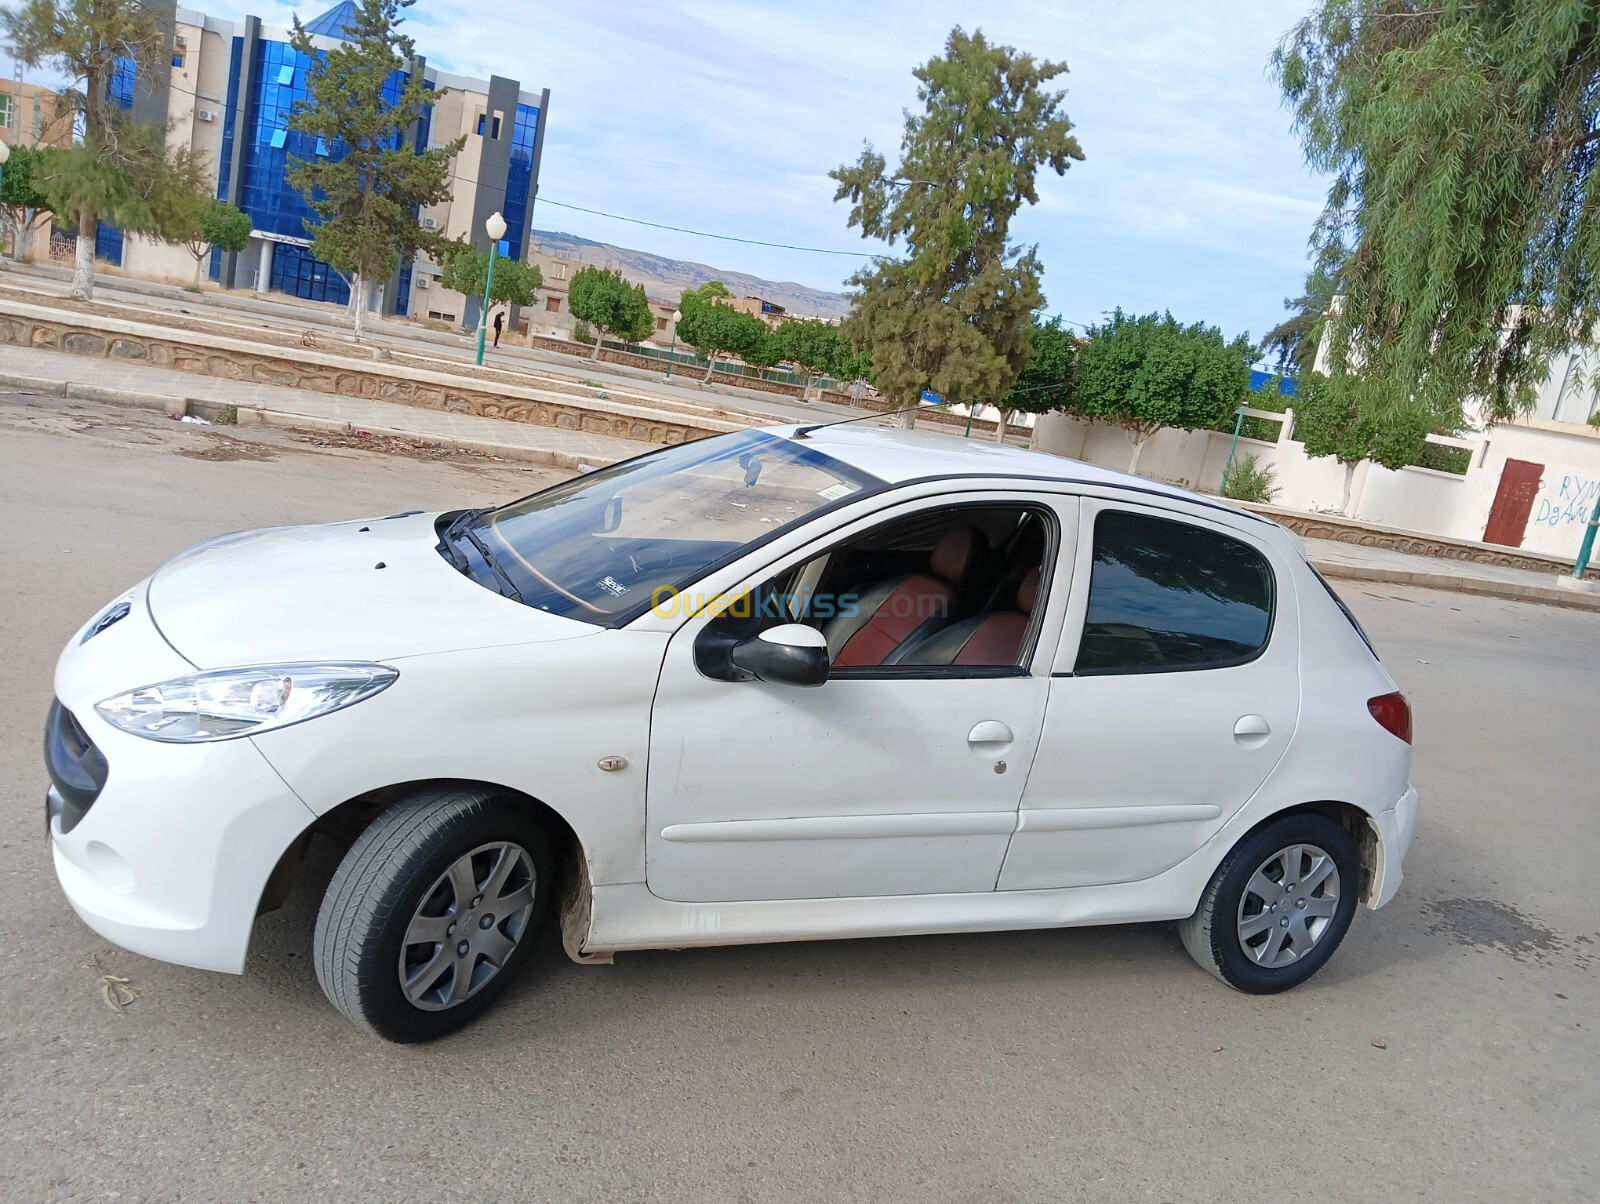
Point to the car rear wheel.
(1278, 905)
(432, 912)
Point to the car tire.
(408, 942)
(1278, 905)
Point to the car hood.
(371, 589)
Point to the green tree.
(606, 301)
(814, 346)
(1046, 383)
(118, 171)
(465, 269)
(714, 328)
(214, 223)
(1144, 373)
(953, 315)
(1346, 417)
(1291, 345)
(1462, 226)
(20, 195)
(365, 98)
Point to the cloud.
(726, 116)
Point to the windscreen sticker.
(834, 492)
(612, 586)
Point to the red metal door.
(1513, 501)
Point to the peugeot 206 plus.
(784, 684)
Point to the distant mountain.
(665, 279)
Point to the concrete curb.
(1548, 595)
(288, 420)
(66, 388)
(284, 420)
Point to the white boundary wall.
(1414, 499)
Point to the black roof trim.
(1194, 500)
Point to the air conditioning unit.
(429, 223)
(422, 282)
(205, 115)
(180, 40)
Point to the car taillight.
(1394, 713)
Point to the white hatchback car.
(778, 685)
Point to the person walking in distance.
(499, 323)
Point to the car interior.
(954, 587)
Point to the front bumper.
(172, 857)
(1394, 827)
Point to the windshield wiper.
(461, 527)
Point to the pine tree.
(119, 170)
(954, 315)
(365, 98)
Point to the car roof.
(897, 455)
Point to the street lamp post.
(677, 316)
(495, 227)
(1580, 570)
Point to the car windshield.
(598, 547)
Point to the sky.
(726, 116)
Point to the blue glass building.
(245, 77)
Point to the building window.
(495, 130)
(661, 323)
(491, 124)
(552, 305)
(558, 271)
(5, 111)
(481, 120)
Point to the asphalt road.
(1447, 1053)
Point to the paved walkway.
(1355, 562)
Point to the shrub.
(1442, 458)
(1250, 481)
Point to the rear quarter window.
(1167, 596)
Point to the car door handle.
(990, 738)
(1252, 731)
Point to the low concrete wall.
(1373, 535)
(1413, 509)
(322, 372)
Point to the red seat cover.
(911, 604)
(998, 639)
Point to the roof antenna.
(803, 431)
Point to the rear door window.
(1167, 596)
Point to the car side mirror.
(791, 654)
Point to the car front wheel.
(432, 912)
(1278, 905)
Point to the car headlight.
(227, 703)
